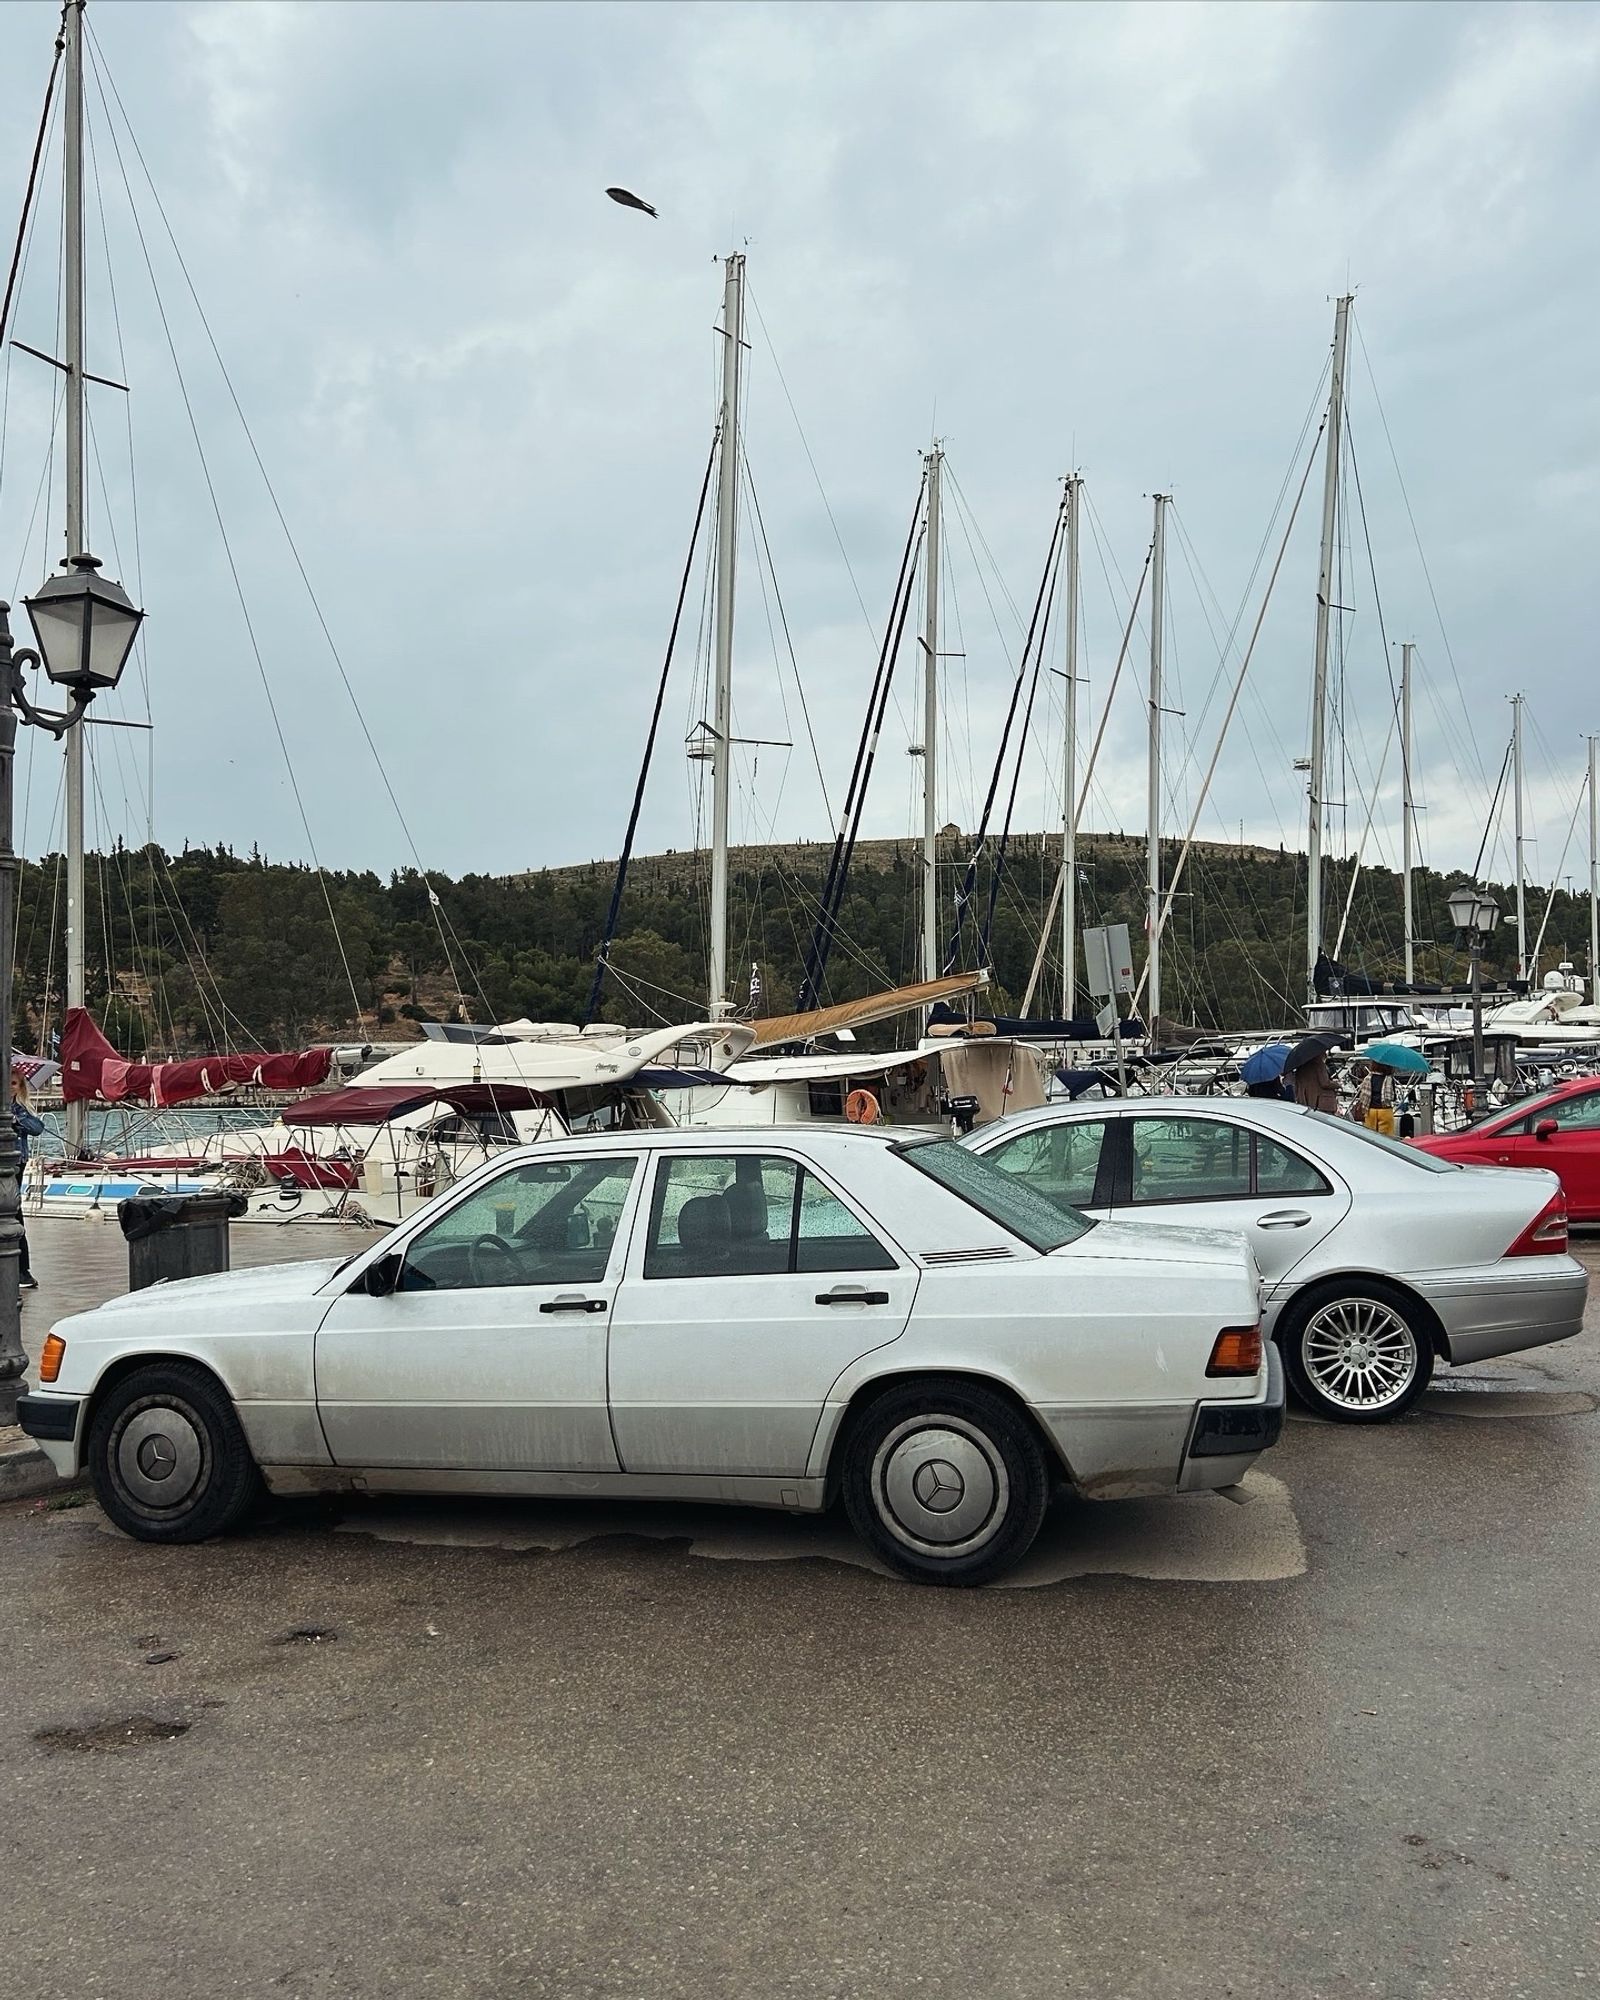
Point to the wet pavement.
(1334, 1735)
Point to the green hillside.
(209, 948)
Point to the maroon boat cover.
(377, 1103)
(92, 1069)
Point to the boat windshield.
(1043, 1224)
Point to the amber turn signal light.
(1236, 1351)
(51, 1356)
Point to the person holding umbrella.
(1262, 1071)
(1388, 1062)
(1312, 1079)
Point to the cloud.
(1102, 236)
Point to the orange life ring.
(862, 1108)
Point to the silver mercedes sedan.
(1378, 1260)
(771, 1318)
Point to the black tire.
(1357, 1353)
(171, 1422)
(983, 1462)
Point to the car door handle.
(572, 1302)
(852, 1295)
(1283, 1218)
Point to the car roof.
(725, 1138)
(1267, 1111)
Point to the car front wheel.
(1359, 1356)
(946, 1482)
(167, 1457)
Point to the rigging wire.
(216, 508)
(23, 230)
(981, 836)
(783, 620)
(1244, 668)
(1422, 558)
(816, 960)
(603, 955)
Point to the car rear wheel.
(167, 1457)
(1359, 1356)
(945, 1482)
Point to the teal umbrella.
(1396, 1056)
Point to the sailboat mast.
(1406, 807)
(1152, 901)
(722, 703)
(934, 462)
(1594, 883)
(72, 178)
(1516, 775)
(1319, 679)
(1069, 767)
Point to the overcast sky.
(1107, 237)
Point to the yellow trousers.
(1380, 1119)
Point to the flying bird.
(631, 200)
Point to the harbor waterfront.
(800, 1001)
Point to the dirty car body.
(1377, 1259)
(766, 1318)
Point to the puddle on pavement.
(1247, 1535)
(1489, 1396)
(124, 1732)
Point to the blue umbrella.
(1396, 1056)
(1265, 1065)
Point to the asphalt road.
(1334, 1737)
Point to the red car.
(1559, 1129)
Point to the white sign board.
(1108, 960)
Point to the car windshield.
(1043, 1224)
(1412, 1155)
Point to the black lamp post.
(85, 627)
(1474, 915)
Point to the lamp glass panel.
(1463, 908)
(57, 625)
(110, 639)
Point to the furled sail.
(863, 1012)
(91, 1069)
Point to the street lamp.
(85, 626)
(1474, 915)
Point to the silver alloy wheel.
(940, 1485)
(1359, 1353)
(160, 1455)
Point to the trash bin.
(176, 1235)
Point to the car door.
(1212, 1172)
(1065, 1161)
(750, 1286)
(1572, 1150)
(490, 1353)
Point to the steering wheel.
(481, 1268)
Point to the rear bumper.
(1501, 1308)
(53, 1422)
(1228, 1437)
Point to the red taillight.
(1236, 1351)
(1546, 1235)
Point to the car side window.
(1280, 1171)
(543, 1223)
(1189, 1159)
(1061, 1162)
(1572, 1114)
(749, 1215)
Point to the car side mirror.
(381, 1278)
(1547, 1128)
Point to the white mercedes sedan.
(1378, 1260)
(773, 1318)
